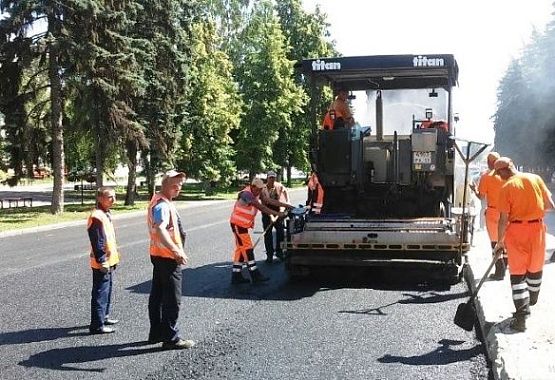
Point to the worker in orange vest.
(523, 200)
(246, 207)
(315, 198)
(167, 256)
(104, 258)
(339, 113)
(488, 188)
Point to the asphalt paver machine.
(394, 183)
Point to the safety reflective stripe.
(534, 288)
(519, 296)
(534, 281)
(519, 286)
(317, 205)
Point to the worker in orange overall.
(242, 218)
(339, 113)
(488, 189)
(315, 198)
(523, 200)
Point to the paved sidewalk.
(523, 356)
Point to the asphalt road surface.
(373, 326)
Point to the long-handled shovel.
(262, 235)
(465, 316)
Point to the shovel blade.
(465, 316)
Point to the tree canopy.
(207, 86)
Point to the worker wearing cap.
(104, 258)
(242, 218)
(339, 113)
(523, 200)
(276, 191)
(488, 189)
(167, 256)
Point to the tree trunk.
(56, 104)
(99, 146)
(288, 175)
(99, 159)
(132, 176)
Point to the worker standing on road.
(315, 196)
(104, 258)
(488, 188)
(339, 113)
(167, 256)
(523, 200)
(276, 191)
(242, 218)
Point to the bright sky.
(484, 35)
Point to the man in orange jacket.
(488, 189)
(339, 113)
(242, 218)
(523, 200)
(167, 256)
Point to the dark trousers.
(101, 296)
(164, 300)
(269, 238)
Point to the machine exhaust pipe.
(379, 116)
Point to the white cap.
(257, 182)
(172, 174)
(271, 173)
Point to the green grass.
(25, 217)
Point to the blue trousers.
(165, 300)
(101, 296)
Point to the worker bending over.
(242, 218)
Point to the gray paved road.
(315, 330)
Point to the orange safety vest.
(243, 214)
(156, 247)
(317, 198)
(110, 246)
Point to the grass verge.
(26, 217)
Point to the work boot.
(519, 323)
(269, 259)
(258, 277)
(237, 279)
(280, 255)
(534, 298)
(499, 271)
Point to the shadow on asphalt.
(41, 335)
(442, 355)
(60, 358)
(213, 281)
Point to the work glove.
(105, 267)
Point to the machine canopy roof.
(384, 72)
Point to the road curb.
(507, 352)
(73, 223)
